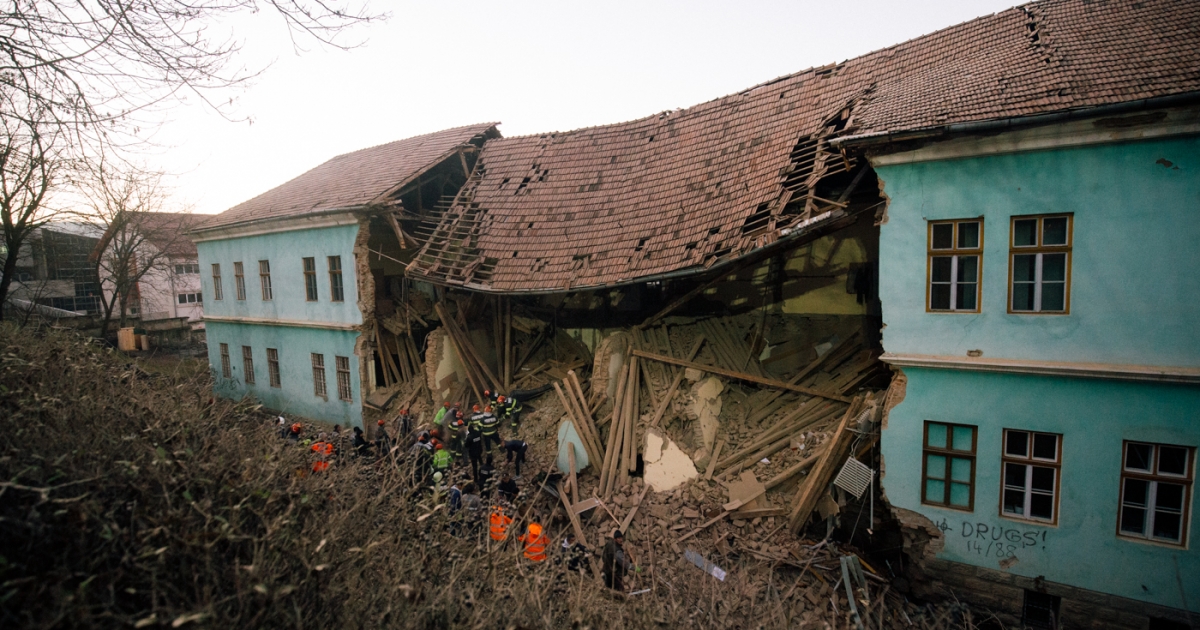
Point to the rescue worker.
(513, 411)
(489, 426)
(508, 488)
(499, 523)
(383, 441)
(573, 552)
(421, 457)
(282, 427)
(491, 396)
(437, 419)
(324, 450)
(294, 433)
(359, 443)
(473, 442)
(535, 543)
(442, 459)
(614, 563)
(487, 477)
(404, 421)
(515, 449)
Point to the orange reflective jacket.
(535, 543)
(500, 522)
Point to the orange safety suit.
(535, 543)
(323, 450)
(500, 522)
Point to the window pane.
(1136, 492)
(968, 268)
(1024, 267)
(1022, 296)
(939, 297)
(965, 300)
(943, 236)
(1014, 475)
(963, 439)
(935, 491)
(1133, 520)
(960, 469)
(1169, 496)
(1053, 297)
(1016, 443)
(935, 466)
(937, 435)
(940, 271)
(1025, 232)
(1172, 460)
(1167, 525)
(1054, 231)
(960, 495)
(1014, 502)
(1137, 456)
(1042, 479)
(1054, 267)
(968, 235)
(1041, 506)
(1045, 446)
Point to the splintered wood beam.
(741, 376)
(670, 393)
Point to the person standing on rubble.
(573, 553)
(437, 418)
(442, 459)
(515, 449)
(512, 411)
(473, 441)
(535, 543)
(487, 477)
(508, 488)
(614, 562)
(383, 441)
(499, 523)
(489, 426)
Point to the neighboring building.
(283, 273)
(155, 251)
(53, 269)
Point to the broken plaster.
(667, 466)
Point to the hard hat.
(487, 392)
(404, 412)
(437, 476)
(435, 433)
(440, 447)
(446, 404)
(499, 399)
(535, 529)
(297, 427)
(488, 408)
(475, 407)
(380, 423)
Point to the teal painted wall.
(1094, 417)
(1134, 281)
(285, 251)
(295, 394)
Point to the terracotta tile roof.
(353, 179)
(693, 187)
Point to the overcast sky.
(532, 66)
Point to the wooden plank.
(687, 297)
(666, 399)
(769, 382)
(585, 505)
(814, 486)
(579, 429)
(572, 479)
(760, 513)
(712, 461)
(730, 508)
(633, 512)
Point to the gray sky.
(533, 66)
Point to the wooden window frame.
(318, 369)
(273, 367)
(948, 452)
(1030, 461)
(954, 252)
(345, 391)
(1040, 249)
(218, 293)
(248, 365)
(239, 280)
(1154, 478)
(337, 290)
(264, 279)
(226, 367)
(310, 279)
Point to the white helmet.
(437, 476)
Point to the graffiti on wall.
(992, 540)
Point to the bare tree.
(29, 165)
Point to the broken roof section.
(353, 180)
(689, 189)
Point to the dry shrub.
(131, 499)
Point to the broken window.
(335, 278)
(248, 364)
(216, 277)
(226, 370)
(1040, 610)
(273, 366)
(1040, 266)
(318, 371)
(1156, 485)
(239, 280)
(343, 378)
(264, 278)
(955, 252)
(948, 466)
(1031, 475)
(310, 279)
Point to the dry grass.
(132, 499)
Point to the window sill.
(1029, 521)
(1151, 541)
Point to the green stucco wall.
(1094, 417)
(1134, 285)
(295, 345)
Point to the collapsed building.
(694, 304)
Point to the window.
(955, 253)
(264, 277)
(187, 268)
(1031, 475)
(1040, 265)
(1040, 610)
(190, 298)
(239, 280)
(343, 378)
(948, 470)
(310, 279)
(318, 367)
(248, 364)
(226, 371)
(1156, 487)
(216, 273)
(335, 278)
(273, 366)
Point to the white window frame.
(1039, 250)
(1153, 477)
(1029, 462)
(954, 252)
